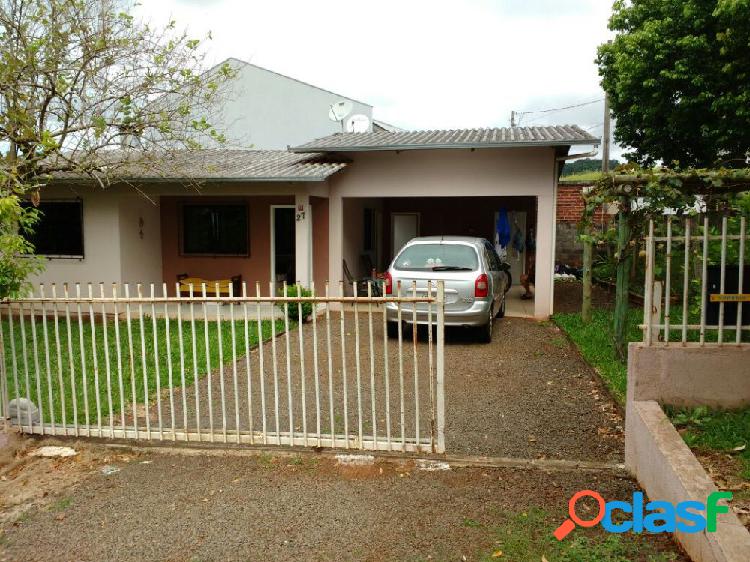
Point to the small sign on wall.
(300, 214)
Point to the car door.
(497, 277)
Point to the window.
(437, 257)
(59, 232)
(219, 229)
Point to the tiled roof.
(560, 135)
(222, 164)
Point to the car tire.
(510, 281)
(392, 329)
(485, 331)
(501, 312)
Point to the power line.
(521, 114)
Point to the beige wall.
(101, 248)
(140, 240)
(446, 173)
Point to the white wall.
(446, 173)
(266, 110)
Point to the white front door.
(404, 227)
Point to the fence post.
(440, 364)
(655, 312)
(4, 382)
(648, 291)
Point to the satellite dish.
(339, 110)
(358, 124)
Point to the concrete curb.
(667, 470)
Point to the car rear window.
(436, 257)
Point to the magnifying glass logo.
(569, 524)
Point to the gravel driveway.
(527, 394)
(197, 508)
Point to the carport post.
(440, 363)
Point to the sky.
(422, 64)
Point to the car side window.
(492, 260)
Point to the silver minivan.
(476, 281)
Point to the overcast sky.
(421, 64)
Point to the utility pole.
(588, 249)
(606, 134)
(512, 118)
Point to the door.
(282, 245)
(404, 227)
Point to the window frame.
(80, 256)
(227, 203)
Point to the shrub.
(293, 312)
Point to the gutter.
(580, 155)
(472, 146)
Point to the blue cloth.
(502, 227)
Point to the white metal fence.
(125, 364)
(697, 282)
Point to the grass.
(582, 176)
(726, 431)
(595, 342)
(528, 537)
(101, 362)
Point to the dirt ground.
(163, 507)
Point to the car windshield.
(437, 257)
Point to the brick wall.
(568, 249)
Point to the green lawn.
(702, 428)
(726, 431)
(68, 368)
(527, 537)
(595, 341)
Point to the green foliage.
(17, 261)
(586, 165)
(677, 76)
(726, 431)
(293, 307)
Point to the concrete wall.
(450, 173)
(140, 240)
(101, 248)
(690, 376)
(266, 110)
(667, 470)
(320, 240)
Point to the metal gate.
(281, 369)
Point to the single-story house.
(299, 214)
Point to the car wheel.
(392, 329)
(501, 312)
(485, 332)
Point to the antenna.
(339, 110)
(358, 124)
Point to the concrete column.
(303, 241)
(545, 255)
(335, 240)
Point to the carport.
(444, 182)
(376, 228)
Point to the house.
(299, 214)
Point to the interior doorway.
(404, 227)
(283, 242)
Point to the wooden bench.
(186, 281)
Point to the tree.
(678, 78)
(79, 81)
